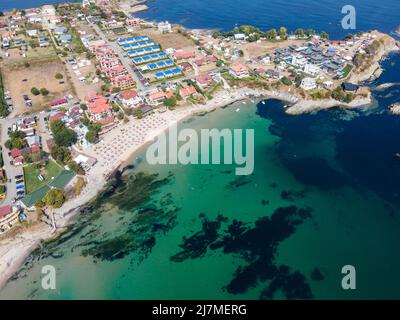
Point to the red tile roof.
(35, 148)
(97, 103)
(57, 116)
(128, 94)
(186, 55)
(186, 92)
(5, 210)
(16, 153)
(58, 102)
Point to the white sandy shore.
(306, 106)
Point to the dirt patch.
(256, 49)
(168, 40)
(20, 80)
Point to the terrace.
(157, 65)
(138, 45)
(167, 73)
(132, 40)
(143, 51)
(149, 58)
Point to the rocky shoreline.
(395, 109)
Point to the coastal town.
(85, 85)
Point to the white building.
(312, 69)
(299, 61)
(328, 84)
(308, 83)
(130, 98)
(240, 37)
(164, 26)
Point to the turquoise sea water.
(324, 194)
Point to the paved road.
(126, 62)
(11, 171)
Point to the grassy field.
(31, 172)
(3, 106)
(347, 70)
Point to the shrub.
(54, 198)
(44, 91)
(35, 91)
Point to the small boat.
(263, 102)
(397, 155)
(237, 110)
(285, 106)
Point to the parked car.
(19, 187)
(19, 181)
(19, 176)
(20, 193)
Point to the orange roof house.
(239, 71)
(158, 97)
(184, 56)
(187, 92)
(98, 108)
(130, 98)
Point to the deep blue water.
(321, 15)
(25, 4)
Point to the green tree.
(271, 34)
(170, 102)
(286, 81)
(216, 34)
(219, 63)
(75, 167)
(60, 154)
(309, 32)
(35, 91)
(63, 136)
(299, 33)
(283, 33)
(59, 76)
(138, 113)
(44, 91)
(324, 35)
(16, 140)
(54, 198)
(91, 136)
